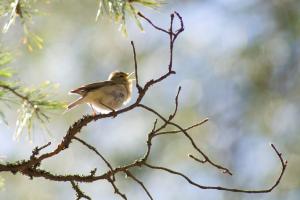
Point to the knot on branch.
(37, 150)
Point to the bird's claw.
(114, 113)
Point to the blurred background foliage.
(237, 62)
(33, 103)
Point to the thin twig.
(176, 104)
(224, 169)
(172, 42)
(129, 174)
(154, 127)
(116, 189)
(139, 88)
(37, 150)
(186, 129)
(152, 24)
(181, 28)
(78, 191)
(16, 93)
(196, 159)
(97, 152)
(283, 164)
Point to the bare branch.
(97, 152)
(172, 35)
(154, 127)
(37, 150)
(139, 88)
(180, 29)
(117, 191)
(186, 129)
(129, 174)
(172, 42)
(196, 159)
(176, 104)
(78, 191)
(187, 136)
(152, 24)
(283, 164)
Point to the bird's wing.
(89, 87)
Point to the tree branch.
(18, 94)
(186, 129)
(224, 169)
(139, 88)
(97, 152)
(283, 167)
(117, 191)
(78, 191)
(129, 174)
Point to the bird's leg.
(112, 110)
(94, 112)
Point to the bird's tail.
(75, 103)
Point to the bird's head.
(120, 77)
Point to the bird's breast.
(108, 97)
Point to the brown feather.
(93, 86)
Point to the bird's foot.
(114, 113)
(94, 112)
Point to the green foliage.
(117, 9)
(24, 10)
(37, 107)
(32, 40)
(5, 58)
(35, 104)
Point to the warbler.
(106, 95)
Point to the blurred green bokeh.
(237, 62)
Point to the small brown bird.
(107, 95)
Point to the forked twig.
(129, 174)
(207, 159)
(116, 189)
(139, 88)
(283, 167)
(96, 152)
(78, 191)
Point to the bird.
(106, 95)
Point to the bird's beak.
(131, 75)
